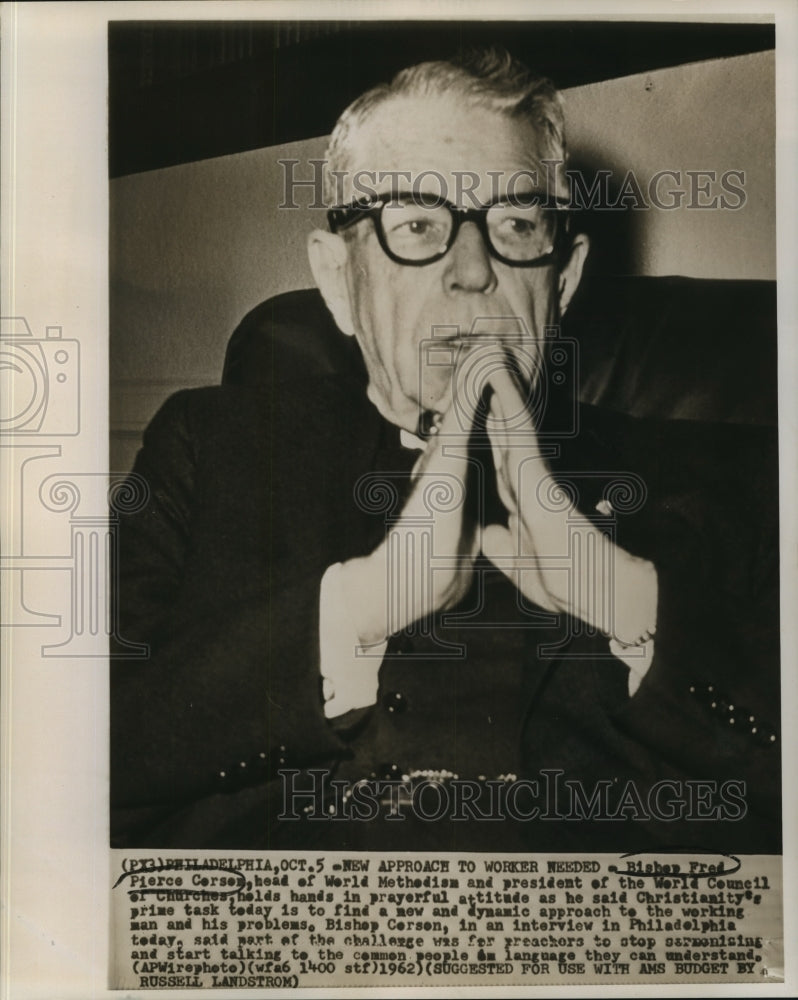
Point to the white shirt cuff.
(637, 658)
(349, 671)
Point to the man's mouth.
(507, 329)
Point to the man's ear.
(328, 256)
(571, 273)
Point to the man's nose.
(470, 267)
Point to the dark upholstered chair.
(672, 347)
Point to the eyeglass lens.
(415, 232)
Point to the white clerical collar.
(408, 440)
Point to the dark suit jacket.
(252, 495)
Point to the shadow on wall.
(614, 232)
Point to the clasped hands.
(556, 557)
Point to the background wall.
(717, 115)
(195, 246)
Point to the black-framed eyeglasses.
(416, 229)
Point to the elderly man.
(376, 616)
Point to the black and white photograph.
(425, 569)
(471, 541)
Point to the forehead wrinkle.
(445, 136)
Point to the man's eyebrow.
(523, 198)
(421, 195)
(412, 194)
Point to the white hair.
(490, 79)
